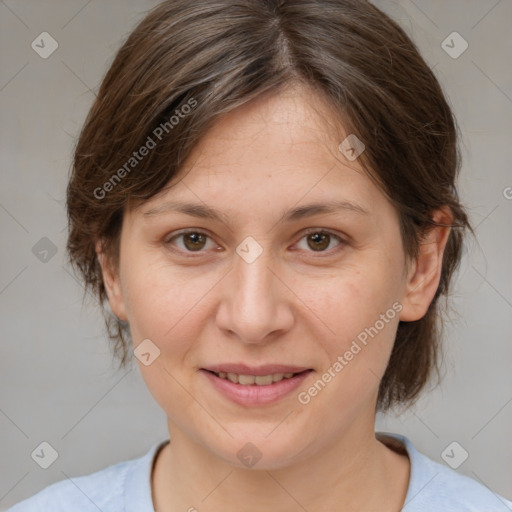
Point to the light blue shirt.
(126, 487)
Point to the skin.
(292, 305)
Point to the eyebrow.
(206, 212)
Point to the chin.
(256, 452)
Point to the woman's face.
(261, 285)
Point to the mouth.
(255, 380)
(255, 386)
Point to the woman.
(264, 193)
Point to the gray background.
(58, 382)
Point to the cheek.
(353, 298)
(155, 303)
(359, 310)
(356, 355)
(166, 305)
(364, 322)
(166, 308)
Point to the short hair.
(188, 62)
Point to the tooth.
(259, 380)
(263, 380)
(246, 379)
(233, 377)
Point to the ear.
(112, 283)
(425, 272)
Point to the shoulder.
(84, 493)
(435, 487)
(104, 490)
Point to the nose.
(255, 305)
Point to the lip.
(254, 395)
(240, 368)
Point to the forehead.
(277, 150)
(287, 125)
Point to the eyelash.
(342, 242)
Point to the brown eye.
(191, 241)
(320, 241)
(194, 241)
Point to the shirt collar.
(137, 484)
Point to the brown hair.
(216, 55)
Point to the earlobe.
(112, 283)
(425, 272)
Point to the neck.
(356, 473)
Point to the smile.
(254, 390)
